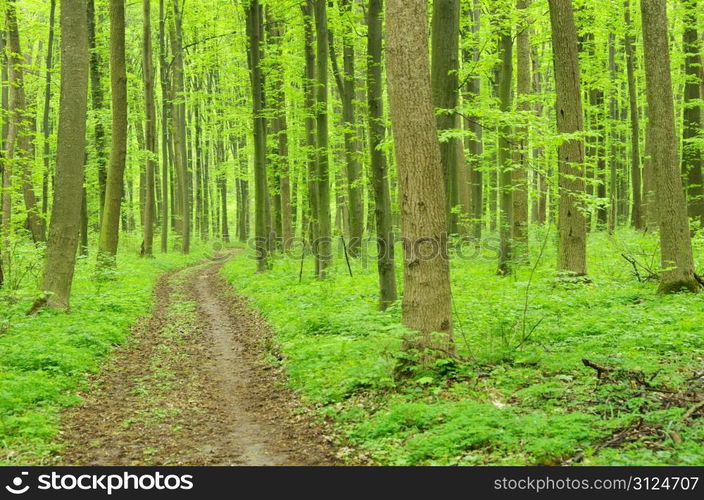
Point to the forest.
(352, 232)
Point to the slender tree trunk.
(346, 86)
(445, 88)
(377, 130)
(96, 97)
(309, 98)
(179, 127)
(68, 184)
(636, 210)
(519, 180)
(505, 157)
(692, 152)
(150, 130)
(254, 21)
(46, 121)
(19, 134)
(572, 251)
(675, 241)
(110, 226)
(324, 241)
(613, 138)
(427, 297)
(474, 144)
(165, 116)
(5, 166)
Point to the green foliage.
(514, 398)
(45, 359)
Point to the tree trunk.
(346, 86)
(519, 232)
(46, 121)
(70, 158)
(179, 134)
(386, 268)
(150, 130)
(613, 138)
(505, 159)
(324, 243)
(445, 88)
(254, 21)
(110, 226)
(636, 210)
(692, 114)
(675, 241)
(572, 251)
(474, 144)
(309, 104)
(19, 134)
(96, 97)
(165, 115)
(427, 297)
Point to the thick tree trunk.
(572, 251)
(110, 226)
(427, 297)
(377, 130)
(445, 88)
(150, 130)
(675, 241)
(692, 152)
(68, 183)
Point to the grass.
(523, 395)
(45, 360)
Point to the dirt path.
(190, 387)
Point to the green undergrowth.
(520, 394)
(45, 359)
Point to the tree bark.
(110, 226)
(179, 132)
(427, 297)
(692, 124)
(149, 129)
(675, 241)
(519, 180)
(636, 204)
(505, 156)
(19, 134)
(346, 86)
(254, 21)
(386, 268)
(46, 121)
(445, 88)
(70, 158)
(324, 243)
(572, 251)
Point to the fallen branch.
(692, 410)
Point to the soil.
(198, 383)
